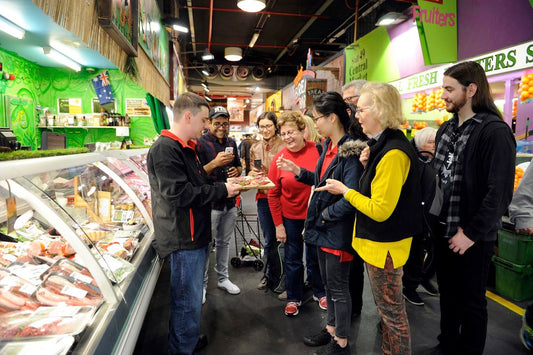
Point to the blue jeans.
(186, 275)
(268, 228)
(294, 267)
(222, 227)
(313, 271)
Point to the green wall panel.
(36, 86)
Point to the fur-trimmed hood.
(351, 148)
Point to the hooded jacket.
(330, 218)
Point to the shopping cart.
(251, 248)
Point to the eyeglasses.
(360, 109)
(267, 126)
(319, 117)
(349, 99)
(288, 134)
(218, 124)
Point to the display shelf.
(47, 187)
(72, 127)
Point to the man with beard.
(475, 163)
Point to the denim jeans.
(186, 270)
(222, 226)
(268, 228)
(336, 276)
(294, 267)
(314, 276)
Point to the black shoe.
(333, 348)
(319, 339)
(429, 288)
(380, 329)
(413, 297)
(202, 342)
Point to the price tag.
(74, 292)
(81, 277)
(11, 214)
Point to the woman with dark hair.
(261, 153)
(329, 222)
(388, 208)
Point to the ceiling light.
(204, 85)
(208, 98)
(11, 29)
(233, 54)
(180, 28)
(255, 36)
(251, 5)
(205, 72)
(391, 18)
(206, 55)
(60, 58)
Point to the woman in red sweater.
(288, 203)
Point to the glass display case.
(76, 237)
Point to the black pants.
(419, 268)
(357, 279)
(462, 282)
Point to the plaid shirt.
(449, 155)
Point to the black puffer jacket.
(330, 218)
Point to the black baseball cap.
(218, 111)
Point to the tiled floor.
(253, 322)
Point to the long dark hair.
(269, 116)
(469, 72)
(332, 102)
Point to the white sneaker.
(229, 286)
(203, 295)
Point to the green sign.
(437, 28)
(371, 58)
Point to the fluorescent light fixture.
(205, 72)
(391, 18)
(233, 54)
(204, 85)
(251, 5)
(208, 98)
(11, 29)
(60, 58)
(67, 50)
(255, 36)
(180, 28)
(206, 55)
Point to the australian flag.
(102, 87)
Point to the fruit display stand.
(76, 201)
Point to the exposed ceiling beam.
(292, 14)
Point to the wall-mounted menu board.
(137, 107)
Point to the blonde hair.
(294, 118)
(313, 133)
(386, 104)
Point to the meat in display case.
(75, 252)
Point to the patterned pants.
(387, 290)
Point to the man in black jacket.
(474, 162)
(181, 207)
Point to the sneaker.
(429, 288)
(262, 285)
(526, 336)
(322, 302)
(334, 348)
(319, 339)
(229, 286)
(291, 309)
(203, 295)
(413, 297)
(282, 296)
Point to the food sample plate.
(251, 182)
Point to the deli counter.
(77, 269)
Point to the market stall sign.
(137, 107)
(506, 60)
(273, 102)
(437, 29)
(371, 58)
(69, 106)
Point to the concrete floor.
(253, 322)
